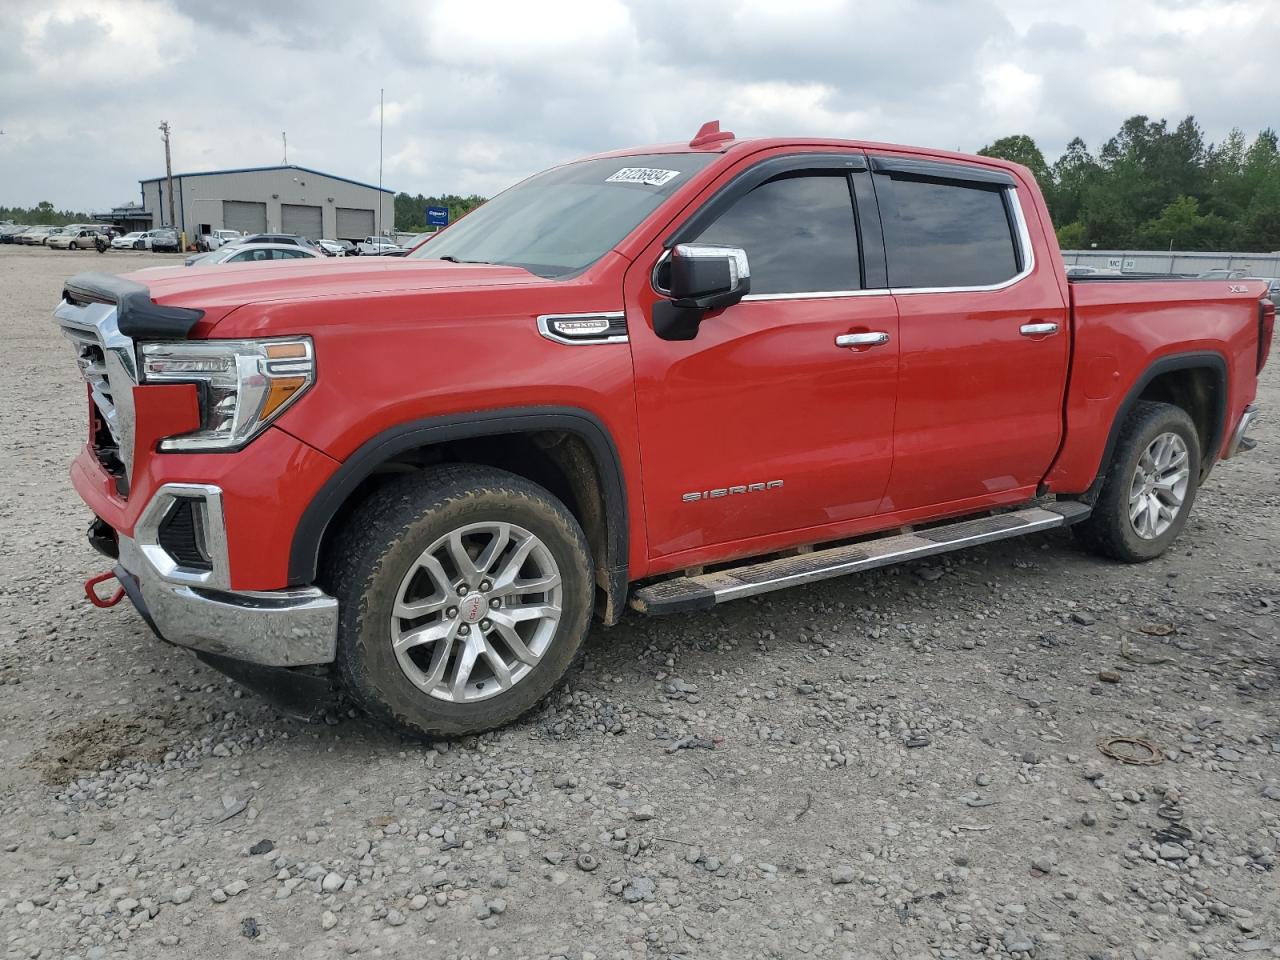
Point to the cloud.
(480, 93)
(1129, 91)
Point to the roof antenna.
(709, 133)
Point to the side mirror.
(706, 277)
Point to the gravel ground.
(899, 765)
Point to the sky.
(480, 93)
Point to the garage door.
(304, 221)
(354, 223)
(244, 216)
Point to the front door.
(764, 428)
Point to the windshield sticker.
(648, 176)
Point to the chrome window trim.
(819, 294)
(544, 328)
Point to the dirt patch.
(102, 741)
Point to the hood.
(223, 287)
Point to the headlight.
(244, 384)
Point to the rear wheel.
(464, 595)
(1150, 486)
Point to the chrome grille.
(92, 361)
(108, 365)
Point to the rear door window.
(946, 234)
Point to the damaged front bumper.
(292, 627)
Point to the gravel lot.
(899, 765)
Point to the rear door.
(764, 425)
(983, 332)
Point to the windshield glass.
(565, 218)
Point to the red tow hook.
(92, 593)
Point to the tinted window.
(798, 232)
(945, 234)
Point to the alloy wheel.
(1159, 486)
(476, 611)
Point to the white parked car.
(254, 253)
(38, 235)
(377, 246)
(219, 238)
(335, 248)
(129, 241)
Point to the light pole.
(168, 170)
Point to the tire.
(374, 564)
(1110, 530)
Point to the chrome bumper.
(1241, 442)
(274, 628)
(197, 609)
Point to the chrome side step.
(683, 594)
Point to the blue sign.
(437, 216)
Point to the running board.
(683, 594)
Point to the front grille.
(93, 368)
(104, 417)
(107, 364)
(182, 534)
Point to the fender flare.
(1205, 359)
(304, 552)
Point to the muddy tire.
(465, 594)
(1150, 486)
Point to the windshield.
(566, 218)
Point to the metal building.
(283, 199)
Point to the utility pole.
(380, 118)
(168, 170)
(284, 138)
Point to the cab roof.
(710, 139)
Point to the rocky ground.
(900, 765)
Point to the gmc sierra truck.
(664, 378)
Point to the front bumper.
(1241, 442)
(296, 626)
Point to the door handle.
(875, 338)
(1038, 329)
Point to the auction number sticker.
(649, 176)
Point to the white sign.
(1115, 263)
(648, 176)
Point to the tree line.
(1153, 187)
(411, 211)
(44, 214)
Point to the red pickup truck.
(666, 377)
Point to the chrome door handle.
(873, 339)
(1038, 329)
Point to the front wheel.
(464, 594)
(1150, 486)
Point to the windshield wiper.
(453, 259)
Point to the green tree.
(1181, 226)
(1020, 148)
(44, 212)
(1071, 236)
(1072, 174)
(411, 211)
(1153, 184)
